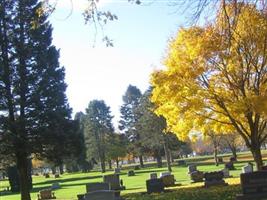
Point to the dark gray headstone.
(91, 187)
(100, 195)
(131, 173)
(168, 180)
(153, 175)
(181, 162)
(117, 170)
(154, 185)
(192, 168)
(230, 165)
(254, 186)
(197, 176)
(214, 179)
(113, 180)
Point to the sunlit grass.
(73, 184)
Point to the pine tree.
(32, 83)
(98, 129)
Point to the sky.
(93, 71)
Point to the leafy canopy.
(216, 76)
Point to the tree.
(232, 141)
(98, 129)
(117, 147)
(218, 74)
(215, 140)
(32, 83)
(151, 129)
(63, 142)
(131, 100)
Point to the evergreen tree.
(32, 83)
(97, 130)
(131, 100)
(151, 129)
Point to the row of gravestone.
(108, 189)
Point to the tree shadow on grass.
(68, 180)
(150, 171)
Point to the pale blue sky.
(140, 38)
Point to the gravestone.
(192, 168)
(164, 174)
(55, 186)
(91, 187)
(226, 173)
(100, 195)
(137, 167)
(153, 175)
(154, 185)
(131, 173)
(214, 179)
(46, 175)
(46, 194)
(248, 168)
(57, 176)
(230, 165)
(117, 170)
(168, 180)
(197, 176)
(113, 180)
(254, 186)
(181, 162)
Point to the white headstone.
(247, 169)
(226, 173)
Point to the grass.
(73, 184)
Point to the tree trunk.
(158, 158)
(109, 164)
(54, 170)
(117, 162)
(216, 155)
(256, 152)
(22, 164)
(234, 153)
(103, 166)
(167, 155)
(141, 161)
(171, 157)
(61, 169)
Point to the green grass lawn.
(73, 184)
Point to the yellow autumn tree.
(216, 78)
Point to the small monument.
(131, 173)
(117, 170)
(254, 186)
(92, 187)
(214, 179)
(226, 173)
(248, 168)
(181, 163)
(192, 168)
(114, 181)
(154, 185)
(99, 195)
(153, 175)
(197, 176)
